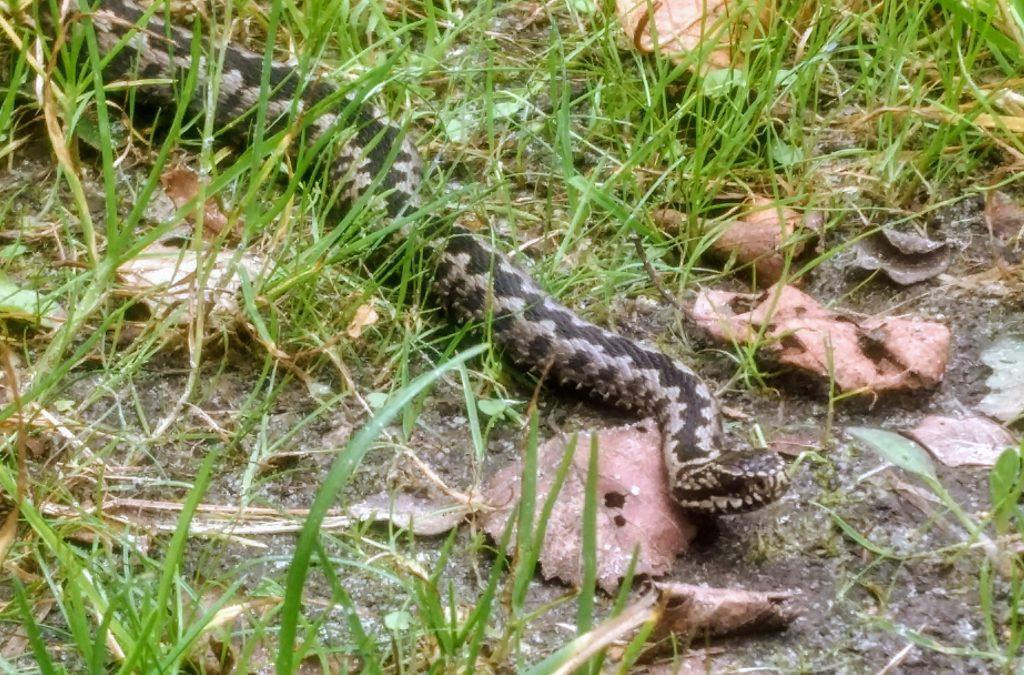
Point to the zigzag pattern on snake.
(473, 280)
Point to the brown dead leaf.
(715, 612)
(1005, 220)
(16, 642)
(213, 656)
(668, 220)
(681, 26)
(165, 279)
(365, 316)
(795, 443)
(695, 662)
(215, 650)
(10, 388)
(326, 664)
(687, 614)
(969, 441)
(876, 355)
(635, 508)
(762, 235)
(1005, 217)
(182, 186)
(905, 257)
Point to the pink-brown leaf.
(635, 510)
(884, 354)
(968, 441)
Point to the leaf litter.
(905, 257)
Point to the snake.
(372, 161)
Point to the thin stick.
(653, 276)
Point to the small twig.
(653, 276)
(895, 661)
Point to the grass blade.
(336, 479)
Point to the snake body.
(474, 281)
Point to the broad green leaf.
(1005, 485)
(785, 154)
(896, 449)
(12, 251)
(398, 621)
(26, 305)
(491, 407)
(720, 82)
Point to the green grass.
(534, 119)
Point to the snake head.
(733, 482)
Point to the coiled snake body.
(473, 280)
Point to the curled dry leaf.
(213, 656)
(970, 441)
(762, 235)
(165, 279)
(685, 612)
(1005, 220)
(635, 510)
(420, 515)
(668, 220)
(365, 316)
(905, 257)
(213, 650)
(182, 186)
(716, 612)
(680, 26)
(875, 355)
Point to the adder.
(474, 281)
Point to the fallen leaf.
(968, 441)
(762, 235)
(715, 612)
(905, 257)
(211, 655)
(15, 646)
(214, 650)
(1005, 402)
(635, 508)
(182, 186)
(896, 449)
(677, 614)
(420, 515)
(668, 220)
(365, 316)
(330, 663)
(1005, 220)
(795, 443)
(165, 279)
(681, 26)
(1004, 216)
(876, 355)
